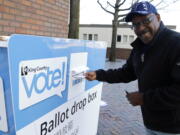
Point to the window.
(131, 38)
(118, 38)
(96, 37)
(125, 38)
(90, 37)
(85, 36)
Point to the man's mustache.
(142, 32)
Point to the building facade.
(98, 32)
(36, 17)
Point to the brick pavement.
(119, 117)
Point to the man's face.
(146, 27)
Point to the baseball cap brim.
(132, 14)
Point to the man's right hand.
(90, 76)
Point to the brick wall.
(36, 17)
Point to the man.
(155, 62)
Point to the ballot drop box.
(42, 86)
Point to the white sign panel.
(76, 117)
(78, 66)
(3, 117)
(41, 79)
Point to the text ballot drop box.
(42, 87)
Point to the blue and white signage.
(41, 79)
(43, 90)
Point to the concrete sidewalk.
(118, 117)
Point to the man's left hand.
(135, 98)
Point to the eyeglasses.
(145, 22)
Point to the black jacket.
(157, 69)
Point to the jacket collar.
(138, 42)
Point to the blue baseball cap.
(140, 8)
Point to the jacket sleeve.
(124, 74)
(166, 97)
